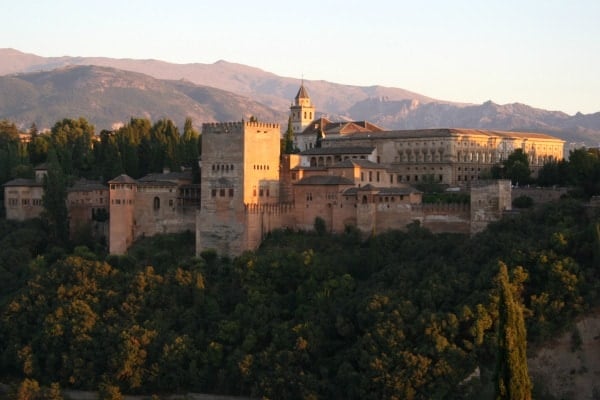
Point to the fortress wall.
(223, 232)
(262, 219)
(539, 195)
(488, 201)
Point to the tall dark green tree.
(189, 149)
(512, 377)
(55, 203)
(72, 141)
(288, 139)
(516, 167)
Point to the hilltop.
(245, 90)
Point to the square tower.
(240, 169)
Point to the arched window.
(156, 203)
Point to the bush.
(522, 202)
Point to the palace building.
(347, 174)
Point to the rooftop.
(324, 180)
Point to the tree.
(55, 204)
(512, 378)
(288, 139)
(516, 167)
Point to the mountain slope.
(391, 108)
(108, 97)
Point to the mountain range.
(107, 92)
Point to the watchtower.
(240, 168)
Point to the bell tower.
(302, 112)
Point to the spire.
(302, 92)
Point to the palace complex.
(351, 173)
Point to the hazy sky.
(542, 53)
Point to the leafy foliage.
(400, 315)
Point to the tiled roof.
(337, 150)
(381, 191)
(324, 180)
(349, 163)
(23, 182)
(83, 185)
(343, 127)
(123, 179)
(302, 93)
(167, 176)
(441, 132)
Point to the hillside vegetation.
(400, 315)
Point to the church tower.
(302, 112)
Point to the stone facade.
(88, 207)
(488, 201)
(23, 197)
(350, 174)
(240, 185)
(454, 157)
(156, 203)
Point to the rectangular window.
(222, 192)
(261, 192)
(213, 192)
(230, 192)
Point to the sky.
(542, 53)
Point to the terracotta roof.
(156, 183)
(324, 180)
(383, 191)
(441, 132)
(338, 150)
(360, 163)
(302, 93)
(167, 177)
(123, 179)
(23, 182)
(83, 185)
(339, 128)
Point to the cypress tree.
(512, 378)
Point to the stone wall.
(488, 201)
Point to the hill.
(391, 108)
(108, 97)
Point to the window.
(170, 202)
(213, 192)
(230, 192)
(222, 192)
(156, 203)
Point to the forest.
(401, 315)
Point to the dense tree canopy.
(401, 315)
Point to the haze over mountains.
(109, 91)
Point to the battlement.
(235, 127)
(222, 127)
(278, 208)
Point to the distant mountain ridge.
(108, 97)
(264, 94)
